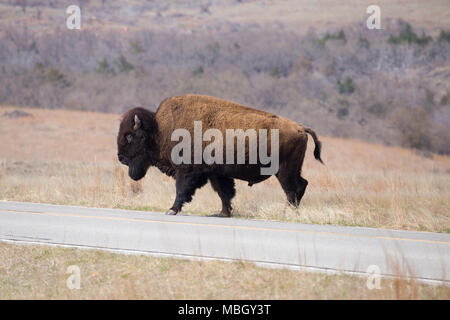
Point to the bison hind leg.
(224, 187)
(294, 187)
(301, 187)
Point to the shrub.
(346, 87)
(338, 36)
(136, 47)
(328, 69)
(342, 112)
(303, 64)
(33, 48)
(103, 67)
(444, 36)
(363, 43)
(445, 100)
(51, 75)
(378, 109)
(275, 73)
(429, 98)
(343, 109)
(409, 36)
(198, 71)
(414, 128)
(123, 65)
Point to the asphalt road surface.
(422, 255)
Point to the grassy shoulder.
(393, 199)
(39, 272)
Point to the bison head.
(135, 142)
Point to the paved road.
(423, 255)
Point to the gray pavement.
(422, 255)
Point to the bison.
(146, 139)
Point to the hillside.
(314, 62)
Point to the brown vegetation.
(39, 272)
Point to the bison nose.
(122, 159)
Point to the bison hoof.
(171, 212)
(222, 215)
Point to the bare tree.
(204, 8)
(21, 3)
(83, 3)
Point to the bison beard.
(144, 140)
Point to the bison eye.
(129, 138)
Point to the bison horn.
(137, 122)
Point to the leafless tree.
(21, 3)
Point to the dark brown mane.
(147, 118)
(150, 126)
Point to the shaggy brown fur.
(144, 140)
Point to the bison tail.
(317, 143)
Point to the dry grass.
(68, 157)
(295, 15)
(39, 272)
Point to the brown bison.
(147, 139)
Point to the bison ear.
(137, 122)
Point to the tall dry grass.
(415, 201)
(39, 272)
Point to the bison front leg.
(186, 184)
